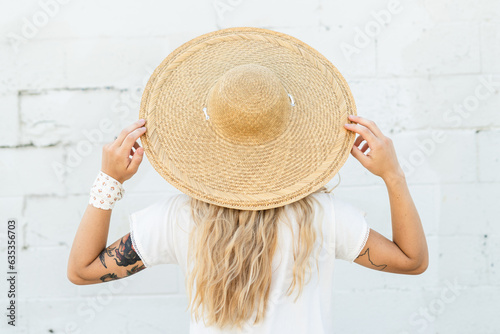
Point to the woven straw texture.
(188, 150)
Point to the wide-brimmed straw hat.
(247, 118)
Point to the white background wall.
(426, 71)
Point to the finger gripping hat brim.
(188, 151)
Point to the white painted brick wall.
(9, 127)
(72, 75)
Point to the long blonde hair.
(232, 252)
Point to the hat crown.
(249, 105)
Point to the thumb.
(360, 156)
(136, 160)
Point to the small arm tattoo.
(101, 257)
(113, 276)
(367, 252)
(108, 251)
(135, 269)
(108, 277)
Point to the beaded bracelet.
(105, 192)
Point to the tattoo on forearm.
(101, 257)
(109, 277)
(108, 251)
(113, 276)
(135, 269)
(125, 254)
(367, 252)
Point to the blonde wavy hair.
(232, 252)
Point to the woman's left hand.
(116, 161)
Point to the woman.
(257, 270)
(91, 262)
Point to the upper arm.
(380, 253)
(118, 260)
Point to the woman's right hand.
(407, 253)
(381, 160)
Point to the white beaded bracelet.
(105, 192)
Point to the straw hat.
(247, 118)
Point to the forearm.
(407, 231)
(92, 234)
(90, 238)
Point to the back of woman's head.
(232, 253)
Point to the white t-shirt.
(159, 234)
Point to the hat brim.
(186, 151)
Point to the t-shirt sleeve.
(152, 232)
(351, 230)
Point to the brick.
(261, 13)
(464, 258)
(462, 10)
(328, 41)
(488, 158)
(431, 156)
(106, 313)
(43, 273)
(43, 228)
(10, 20)
(34, 65)
(395, 104)
(29, 170)
(458, 101)
(11, 208)
(9, 127)
(20, 326)
(72, 22)
(428, 48)
(461, 204)
(158, 315)
(182, 284)
(399, 104)
(463, 101)
(490, 50)
(83, 117)
(119, 222)
(475, 307)
(437, 306)
(358, 14)
(353, 30)
(349, 305)
(425, 197)
(82, 171)
(118, 62)
(30, 20)
(493, 245)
